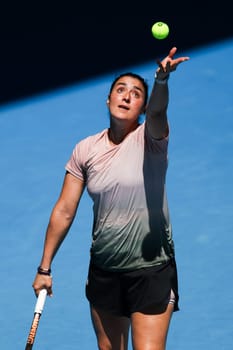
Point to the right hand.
(41, 282)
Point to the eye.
(136, 94)
(120, 89)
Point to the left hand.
(169, 64)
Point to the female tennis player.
(132, 278)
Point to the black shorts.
(145, 290)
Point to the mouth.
(123, 107)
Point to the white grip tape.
(40, 301)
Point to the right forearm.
(60, 221)
(57, 229)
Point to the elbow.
(63, 213)
(68, 216)
(155, 112)
(158, 126)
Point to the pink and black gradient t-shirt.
(131, 225)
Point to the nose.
(126, 97)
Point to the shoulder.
(91, 139)
(83, 151)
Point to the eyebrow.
(134, 86)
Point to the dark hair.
(133, 75)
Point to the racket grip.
(40, 301)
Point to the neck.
(118, 133)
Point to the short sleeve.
(76, 163)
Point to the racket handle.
(36, 318)
(40, 301)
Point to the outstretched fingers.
(172, 52)
(177, 61)
(169, 64)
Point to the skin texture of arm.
(60, 221)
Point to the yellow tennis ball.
(160, 30)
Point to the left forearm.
(156, 113)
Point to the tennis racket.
(36, 318)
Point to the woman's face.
(127, 99)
